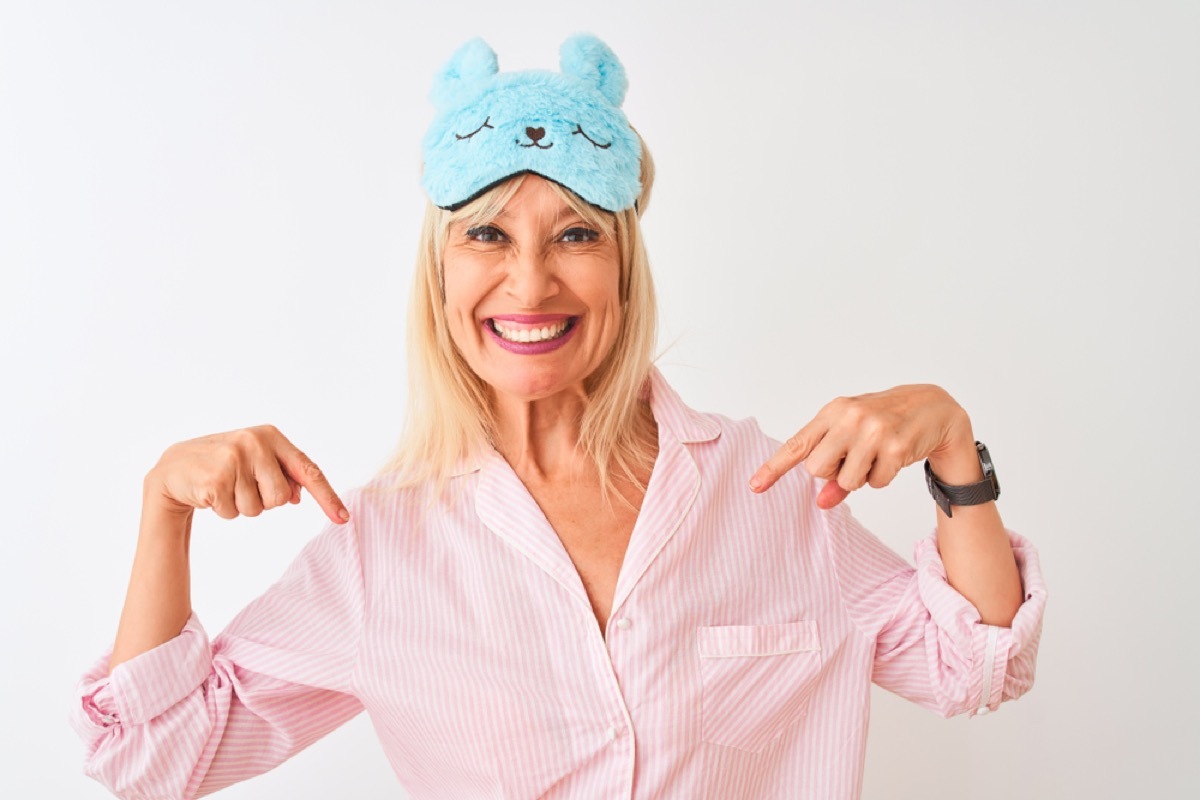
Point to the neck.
(540, 438)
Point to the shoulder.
(708, 433)
(385, 504)
(742, 441)
(731, 448)
(388, 494)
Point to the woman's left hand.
(869, 438)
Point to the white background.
(208, 220)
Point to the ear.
(586, 57)
(472, 64)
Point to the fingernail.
(344, 514)
(756, 483)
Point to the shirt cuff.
(1000, 659)
(146, 685)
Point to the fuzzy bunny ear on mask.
(591, 60)
(468, 70)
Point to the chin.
(534, 388)
(534, 384)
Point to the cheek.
(605, 297)
(462, 296)
(597, 282)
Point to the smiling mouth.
(539, 146)
(544, 333)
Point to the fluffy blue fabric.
(566, 126)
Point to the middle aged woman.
(563, 586)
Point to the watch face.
(989, 470)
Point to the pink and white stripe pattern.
(745, 633)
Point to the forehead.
(535, 196)
(540, 205)
(547, 212)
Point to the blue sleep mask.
(565, 126)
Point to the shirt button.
(612, 733)
(623, 623)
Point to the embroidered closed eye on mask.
(566, 126)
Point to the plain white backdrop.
(208, 219)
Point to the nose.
(531, 280)
(535, 133)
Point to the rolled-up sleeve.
(931, 646)
(189, 717)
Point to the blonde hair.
(449, 417)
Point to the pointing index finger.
(305, 472)
(793, 451)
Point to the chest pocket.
(756, 680)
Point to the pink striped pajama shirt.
(745, 633)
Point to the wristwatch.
(970, 495)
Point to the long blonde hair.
(449, 417)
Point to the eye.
(579, 129)
(477, 130)
(484, 230)
(585, 234)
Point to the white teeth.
(530, 334)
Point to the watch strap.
(971, 494)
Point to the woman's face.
(532, 298)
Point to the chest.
(595, 532)
(485, 671)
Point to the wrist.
(970, 493)
(156, 502)
(957, 466)
(161, 521)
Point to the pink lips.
(531, 348)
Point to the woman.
(562, 586)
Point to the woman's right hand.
(238, 472)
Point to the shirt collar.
(684, 423)
(671, 414)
